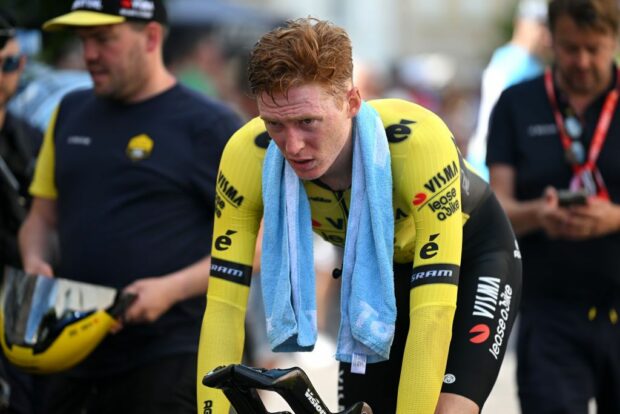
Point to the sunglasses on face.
(575, 153)
(10, 63)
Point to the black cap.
(86, 13)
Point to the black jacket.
(19, 145)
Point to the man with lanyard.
(384, 180)
(553, 157)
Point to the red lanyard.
(600, 134)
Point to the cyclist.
(451, 242)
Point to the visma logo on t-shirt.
(139, 147)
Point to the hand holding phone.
(567, 198)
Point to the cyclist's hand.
(154, 297)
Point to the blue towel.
(368, 309)
(290, 301)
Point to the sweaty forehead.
(298, 103)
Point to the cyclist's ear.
(353, 101)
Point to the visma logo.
(487, 293)
(480, 332)
(228, 192)
(439, 180)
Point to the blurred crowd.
(207, 48)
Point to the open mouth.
(302, 164)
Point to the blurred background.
(430, 52)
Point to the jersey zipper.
(343, 206)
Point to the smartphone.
(572, 198)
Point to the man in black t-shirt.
(126, 177)
(561, 131)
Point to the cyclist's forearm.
(425, 357)
(221, 339)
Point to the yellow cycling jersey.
(434, 192)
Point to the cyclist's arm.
(37, 234)
(237, 220)
(435, 172)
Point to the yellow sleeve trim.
(44, 181)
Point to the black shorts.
(488, 297)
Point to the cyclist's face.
(583, 57)
(115, 57)
(312, 129)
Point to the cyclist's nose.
(294, 142)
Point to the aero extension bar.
(239, 383)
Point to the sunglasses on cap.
(10, 63)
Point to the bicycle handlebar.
(239, 383)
